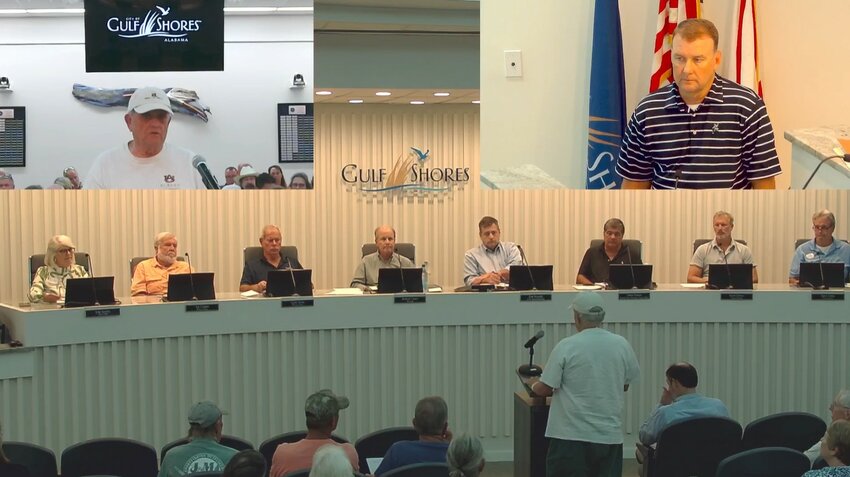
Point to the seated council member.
(490, 262)
(255, 272)
(147, 161)
(594, 265)
(366, 274)
(48, 285)
(151, 275)
(823, 248)
(722, 249)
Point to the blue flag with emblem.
(607, 97)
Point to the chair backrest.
(401, 248)
(135, 262)
(296, 473)
(694, 447)
(37, 260)
(254, 253)
(699, 242)
(378, 443)
(764, 462)
(229, 441)
(430, 469)
(40, 461)
(795, 430)
(268, 446)
(635, 246)
(110, 456)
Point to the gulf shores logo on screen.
(155, 24)
(410, 172)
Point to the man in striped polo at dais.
(702, 131)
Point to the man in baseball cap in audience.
(203, 453)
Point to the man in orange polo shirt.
(151, 275)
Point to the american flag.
(744, 66)
(670, 14)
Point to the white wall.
(44, 57)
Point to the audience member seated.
(322, 415)
(331, 461)
(246, 463)
(48, 285)
(230, 174)
(73, 177)
(151, 275)
(7, 468)
(839, 408)
(595, 264)
(465, 456)
(299, 180)
(835, 449)
(247, 178)
(63, 183)
(679, 401)
(6, 180)
(366, 274)
(203, 453)
(277, 173)
(431, 421)
(266, 181)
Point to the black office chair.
(297, 473)
(40, 461)
(135, 262)
(37, 260)
(693, 447)
(268, 446)
(635, 246)
(764, 462)
(229, 441)
(430, 469)
(376, 444)
(110, 456)
(795, 430)
(254, 253)
(699, 242)
(401, 248)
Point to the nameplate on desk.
(409, 299)
(204, 307)
(535, 297)
(103, 312)
(296, 303)
(828, 296)
(736, 296)
(633, 295)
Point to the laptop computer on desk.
(191, 286)
(289, 282)
(531, 277)
(90, 291)
(623, 276)
(822, 275)
(734, 276)
(400, 280)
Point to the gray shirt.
(710, 252)
(480, 260)
(366, 273)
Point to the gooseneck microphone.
(631, 267)
(292, 276)
(200, 164)
(846, 158)
(822, 285)
(191, 278)
(91, 280)
(533, 340)
(527, 267)
(531, 369)
(400, 271)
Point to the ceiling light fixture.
(442, 94)
(383, 93)
(476, 101)
(355, 101)
(416, 101)
(324, 93)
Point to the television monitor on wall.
(162, 35)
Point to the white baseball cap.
(145, 100)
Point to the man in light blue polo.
(586, 375)
(203, 453)
(822, 248)
(490, 262)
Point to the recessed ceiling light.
(476, 101)
(383, 93)
(355, 101)
(416, 101)
(442, 94)
(324, 93)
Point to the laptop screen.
(400, 280)
(191, 286)
(289, 282)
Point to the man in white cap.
(146, 162)
(586, 376)
(203, 453)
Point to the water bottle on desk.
(425, 277)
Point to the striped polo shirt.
(725, 143)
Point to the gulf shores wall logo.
(410, 172)
(155, 24)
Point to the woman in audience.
(299, 180)
(8, 469)
(277, 173)
(465, 456)
(247, 463)
(48, 285)
(331, 461)
(835, 449)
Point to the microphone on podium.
(531, 369)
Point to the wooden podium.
(530, 444)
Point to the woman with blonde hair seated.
(835, 449)
(48, 285)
